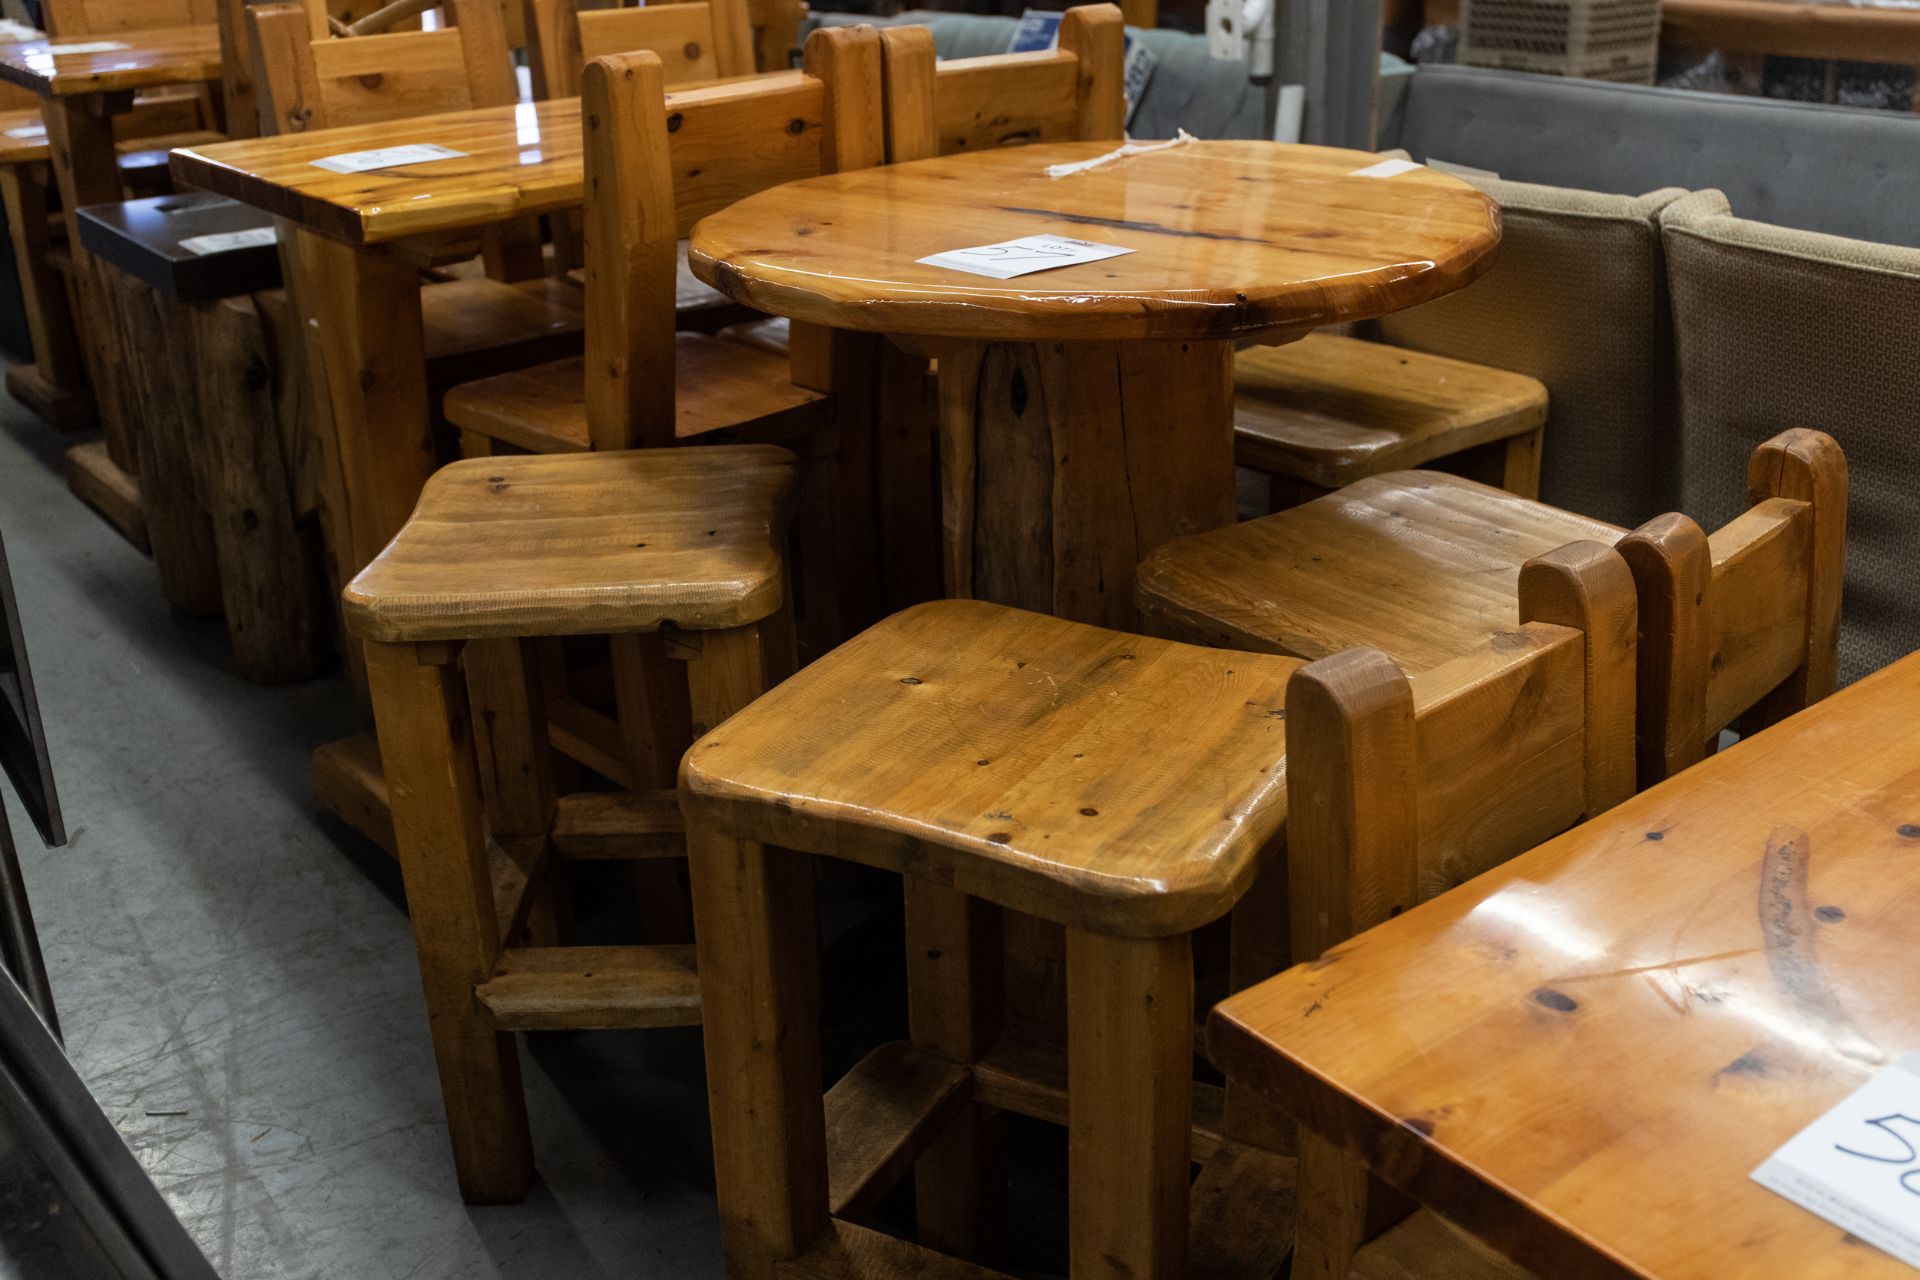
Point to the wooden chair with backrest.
(517, 314)
(1313, 415)
(1399, 789)
(675, 553)
(1419, 564)
(1131, 790)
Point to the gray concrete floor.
(237, 982)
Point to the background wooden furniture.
(81, 95)
(1829, 32)
(1421, 565)
(680, 543)
(1620, 980)
(697, 40)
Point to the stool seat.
(1331, 410)
(1419, 564)
(718, 383)
(1111, 782)
(606, 543)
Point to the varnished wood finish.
(1682, 984)
(695, 40)
(73, 19)
(1026, 784)
(156, 56)
(1420, 564)
(1232, 239)
(1330, 410)
(1042, 445)
(1423, 566)
(719, 384)
(551, 546)
(523, 159)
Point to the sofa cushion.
(1576, 298)
(1841, 170)
(1780, 328)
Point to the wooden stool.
(682, 544)
(1326, 411)
(1125, 787)
(1422, 566)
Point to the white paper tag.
(1858, 1166)
(28, 131)
(1386, 169)
(226, 241)
(386, 157)
(1012, 258)
(91, 46)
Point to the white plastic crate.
(1591, 39)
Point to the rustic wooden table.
(1087, 411)
(1581, 1056)
(364, 239)
(81, 94)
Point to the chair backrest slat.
(658, 163)
(1745, 623)
(696, 40)
(68, 18)
(1400, 789)
(1076, 92)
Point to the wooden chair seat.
(473, 323)
(1330, 410)
(557, 546)
(1106, 781)
(1426, 1245)
(698, 306)
(719, 384)
(1419, 564)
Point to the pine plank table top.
(1582, 1055)
(1230, 239)
(168, 55)
(520, 160)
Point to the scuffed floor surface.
(236, 978)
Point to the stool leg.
(1129, 1105)
(955, 985)
(1520, 463)
(426, 753)
(506, 694)
(1332, 1222)
(759, 990)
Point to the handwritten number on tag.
(1909, 1180)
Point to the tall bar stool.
(1741, 624)
(683, 543)
(1128, 788)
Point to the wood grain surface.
(1230, 238)
(1582, 1054)
(172, 55)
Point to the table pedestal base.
(1063, 463)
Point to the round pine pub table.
(1086, 411)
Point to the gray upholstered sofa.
(1840, 170)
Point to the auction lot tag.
(28, 131)
(386, 157)
(226, 241)
(1386, 169)
(1858, 1166)
(1012, 258)
(90, 46)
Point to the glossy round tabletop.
(1229, 239)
